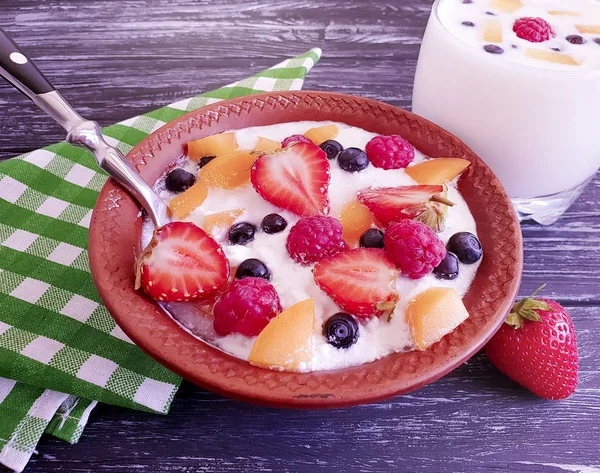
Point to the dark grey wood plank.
(115, 59)
(473, 420)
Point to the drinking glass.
(538, 129)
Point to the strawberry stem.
(441, 200)
(538, 290)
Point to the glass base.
(547, 209)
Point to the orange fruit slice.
(213, 145)
(551, 56)
(356, 219)
(286, 341)
(322, 133)
(493, 31)
(217, 221)
(265, 144)
(434, 313)
(564, 13)
(228, 171)
(591, 29)
(506, 6)
(437, 171)
(183, 204)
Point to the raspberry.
(390, 152)
(314, 238)
(534, 30)
(246, 308)
(294, 139)
(414, 247)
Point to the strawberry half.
(424, 203)
(295, 178)
(181, 263)
(360, 281)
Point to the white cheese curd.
(293, 281)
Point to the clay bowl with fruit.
(115, 243)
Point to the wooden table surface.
(116, 59)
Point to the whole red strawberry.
(537, 348)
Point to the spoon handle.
(22, 73)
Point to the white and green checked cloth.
(60, 350)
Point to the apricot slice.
(506, 6)
(493, 31)
(220, 220)
(437, 171)
(322, 133)
(265, 144)
(434, 313)
(591, 29)
(356, 219)
(287, 340)
(551, 56)
(182, 205)
(228, 171)
(213, 145)
(564, 13)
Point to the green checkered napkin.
(60, 350)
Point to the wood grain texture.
(116, 59)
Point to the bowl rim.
(111, 248)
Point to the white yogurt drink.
(528, 106)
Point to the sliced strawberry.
(181, 263)
(425, 203)
(295, 178)
(360, 281)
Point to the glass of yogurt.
(519, 82)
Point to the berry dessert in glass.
(518, 81)
(309, 246)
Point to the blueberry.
(466, 246)
(468, 23)
(332, 148)
(341, 330)
(597, 40)
(490, 13)
(253, 268)
(353, 160)
(273, 223)
(204, 161)
(179, 180)
(372, 238)
(467, 1)
(448, 267)
(555, 49)
(241, 233)
(493, 49)
(575, 39)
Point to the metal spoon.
(22, 73)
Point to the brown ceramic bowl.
(115, 236)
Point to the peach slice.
(434, 313)
(591, 29)
(213, 145)
(506, 6)
(215, 222)
(493, 31)
(356, 219)
(551, 56)
(286, 341)
(564, 13)
(322, 133)
(265, 144)
(229, 171)
(437, 171)
(182, 205)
